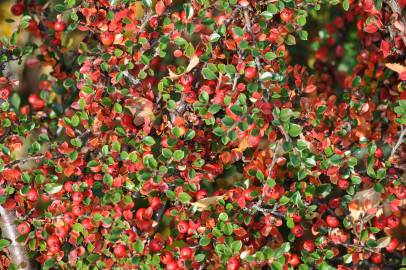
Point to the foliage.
(181, 134)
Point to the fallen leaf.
(396, 67)
(202, 204)
(383, 242)
(194, 61)
(364, 201)
(141, 109)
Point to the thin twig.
(399, 142)
(40, 157)
(275, 157)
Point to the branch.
(42, 156)
(18, 254)
(399, 142)
(249, 29)
(282, 130)
(275, 157)
(393, 4)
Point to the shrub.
(193, 135)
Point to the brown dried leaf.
(202, 204)
(141, 108)
(383, 242)
(396, 67)
(365, 200)
(194, 61)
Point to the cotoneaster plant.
(204, 135)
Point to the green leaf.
(238, 31)
(214, 37)
(346, 5)
(223, 217)
(204, 241)
(290, 40)
(184, 197)
(15, 100)
(237, 110)
(266, 76)
(178, 155)
(190, 134)
(294, 130)
(356, 81)
(148, 140)
(200, 257)
(77, 227)
(276, 266)
(236, 246)
(208, 74)
(267, 15)
(147, 3)
(301, 20)
(52, 188)
(4, 243)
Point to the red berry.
(309, 245)
(77, 210)
(376, 258)
(139, 215)
(380, 222)
(294, 260)
(393, 221)
(250, 73)
(187, 79)
(296, 218)
(52, 240)
(183, 227)
(343, 184)
(77, 197)
(392, 245)
(286, 14)
(32, 195)
(177, 53)
(36, 102)
(378, 153)
(332, 221)
(69, 218)
(233, 263)
(106, 38)
(400, 192)
(298, 231)
(274, 35)
(120, 251)
(87, 223)
(186, 252)
(155, 245)
(201, 194)
(132, 236)
(5, 93)
(32, 26)
(17, 9)
(155, 203)
(23, 228)
(59, 26)
(54, 249)
(61, 231)
(172, 265)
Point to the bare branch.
(399, 142)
